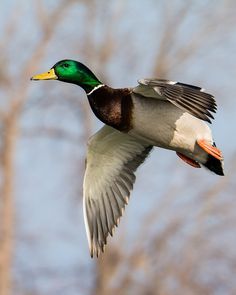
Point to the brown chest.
(113, 107)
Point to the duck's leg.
(188, 160)
(210, 149)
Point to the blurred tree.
(175, 250)
(10, 120)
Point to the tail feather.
(214, 165)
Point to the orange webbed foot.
(188, 160)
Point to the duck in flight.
(156, 113)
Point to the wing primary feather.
(119, 194)
(110, 214)
(193, 112)
(129, 175)
(127, 183)
(189, 85)
(122, 190)
(101, 232)
(174, 92)
(120, 201)
(108, 217)
(103, 215)
(202, 103)
(116, 205)
(88, 222)
(197, 107)
(95, 231)
(202, 96)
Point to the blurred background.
(178, 234)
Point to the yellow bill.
(50, 75)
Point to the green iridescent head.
(71, 71)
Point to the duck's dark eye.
(66, 65)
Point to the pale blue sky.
(50, 234)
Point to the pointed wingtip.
(91, 253)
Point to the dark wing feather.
(187, 97)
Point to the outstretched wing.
(112, 159)
(189, 98)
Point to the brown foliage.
(168, 259)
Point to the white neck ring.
(95, 88)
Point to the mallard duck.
(157, 112)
